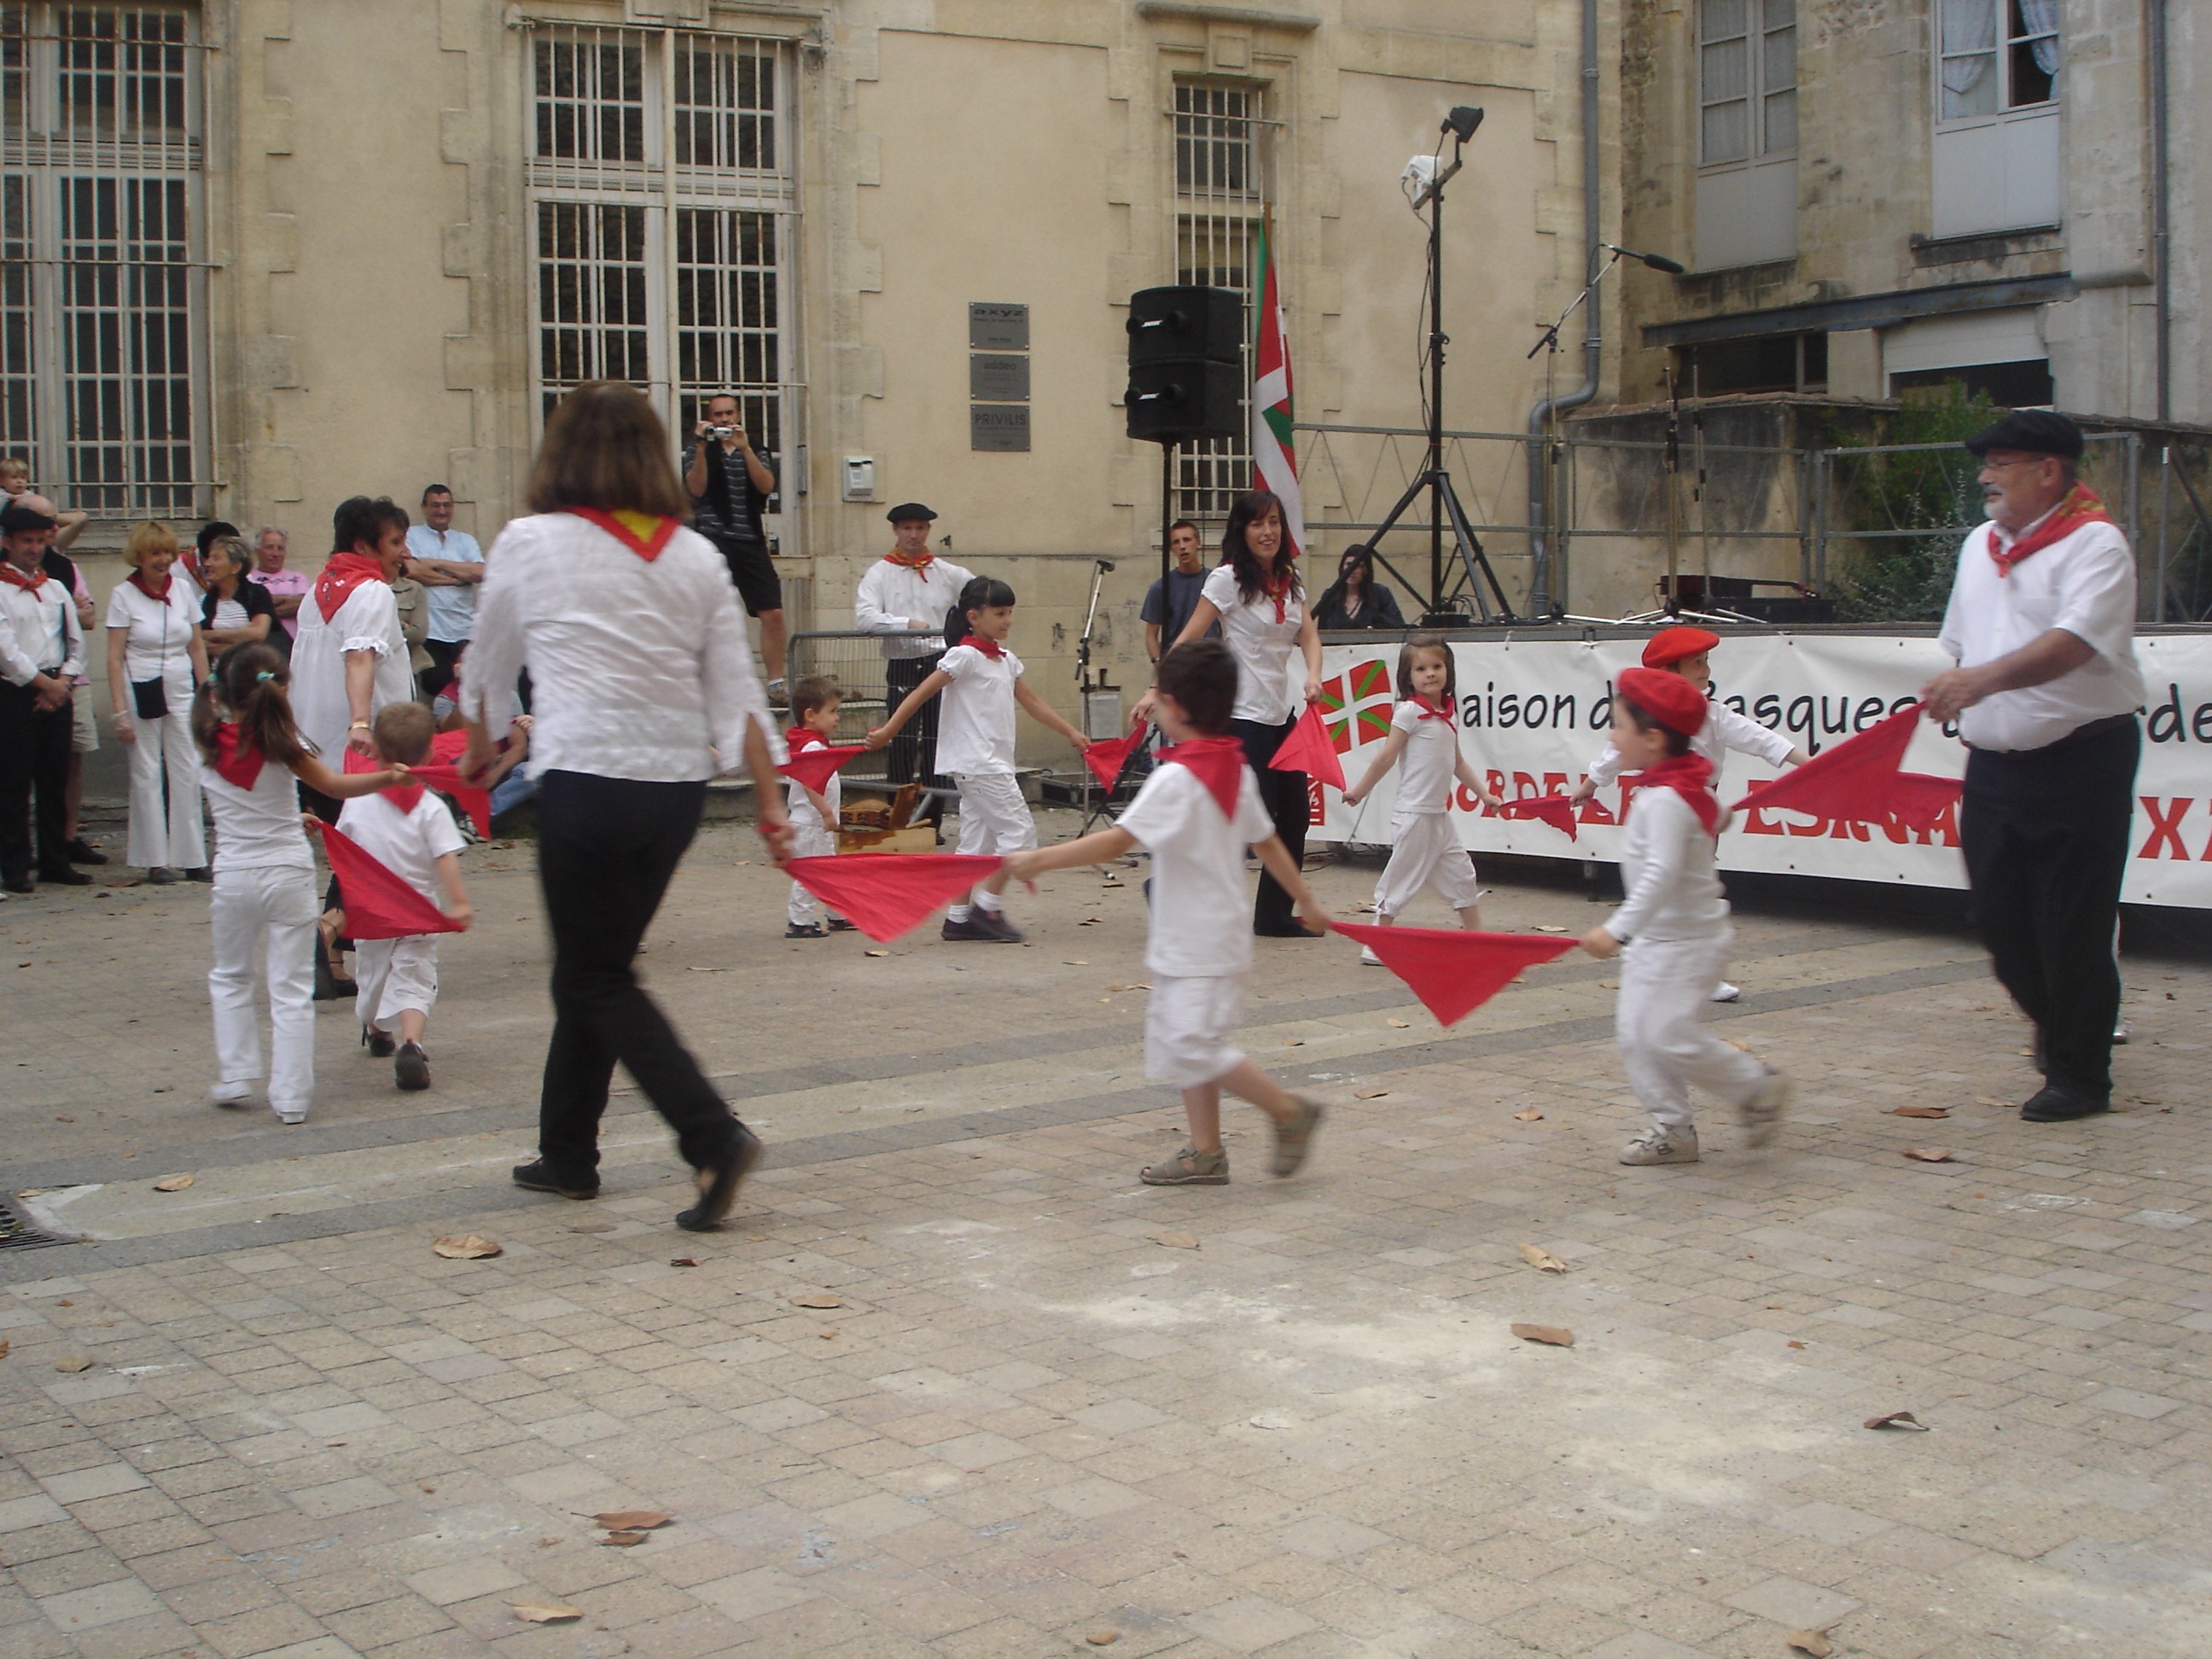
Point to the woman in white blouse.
(642, 687)
(1257, 596)
(155, 659)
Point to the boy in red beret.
(1675, 927)
(1687, 651)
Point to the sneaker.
(1002, 930)
(1725, 992)
(81, 851)
(839, 925)
(535, 1177)
(1659, 1145)
(1762, 1113)
(776, 695)
(972, 928)
(1188, 1168)
(1368, 958)
(1293, 1139)
(381, 1045)
(410, 1069)
(805, 930)
(228, 1094)
(290, 1114)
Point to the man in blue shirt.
(1168, 606)
(449, 564)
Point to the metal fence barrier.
(856, 662)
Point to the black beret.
(909, 510)
(16, 516)
(2035, 431)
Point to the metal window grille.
(1222, 154)
(1746, 80)
(659, 189)
(102, 269)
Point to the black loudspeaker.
(1174, 401)
(1173, 324)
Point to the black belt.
(2109, 723)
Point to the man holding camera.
(729, 485)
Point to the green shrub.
(1929, 496)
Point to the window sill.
(1976, 246)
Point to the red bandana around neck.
(343, 573)
(1690, 777)
(990, 648)
(1278, 588)
(1216, 763)
(236, 760)
(29, 581)
(1429, 710)
(2082, 505)
(799, 739)
(159, 595)
(911, 561)
(644, 533)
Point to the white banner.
(1534, 714)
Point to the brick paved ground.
(1028, 1422)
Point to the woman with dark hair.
(642, 689)
(233, 610)
(1257, 598)
(1353, 599)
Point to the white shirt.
(367, 621)
(410, 843)
(40, 635)
(892, 595)
(155, 648)
(257, 828)
(1426, 767)
(453, 609)
(975, 726)
(1724, 730)
(638, 669)
(1667, 865)
(1201, 913)
(1270, 669)
(801, 807)
(2085, 583)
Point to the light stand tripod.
(1671, 610)
(1086, 688)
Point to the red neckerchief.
(1689, 776)
(1428, 711)
(345, 573)
(990, 648)
(235, 759)
(29, 581)
(911, 561)
(2081, 505)
(159, 595)
(402, 795)
(1216, 763)
(644, 533)
(1279, 590)
(800, 738)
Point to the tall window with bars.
(660, 187)
(102, 267)
(1222, 162)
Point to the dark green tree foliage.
(1928, 496)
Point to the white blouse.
(1270, 668)
(159, 632)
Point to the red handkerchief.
(236, 759)
(1853, 782)
(1107, 759)
(1307, 750)
(884, 893)
(1452, 971)
(379, 904)
(1917, 799)
(1216, 763)
(815, 765)
(1555, 810)
(442, 774)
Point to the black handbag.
(151, 698)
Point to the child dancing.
(1196, 814)
(1424, 852)
(251, 752)
(815, 703)
(982, 681)
(1675, 927)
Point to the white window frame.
(2001, 51)
(1759, 38)
(2000, 169)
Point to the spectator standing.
(1354, 599)
(84, 724)
(155, 659)
(1169, 601)
(906, 596)
(351, 659)
(449, 564)
(192, 564)
(413, 601)
(729, 484)
(41, 652)
(286, 587)
(233, 610)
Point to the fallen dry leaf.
(1991, 1100)
(1810, 1641)
(3, 1348)
(828, 1335)
(818, 1299)
(426, 1486)
(468, 1247)
(1926, 1154)
(623, 1541)
(1529, 1115)
(1174, 1241)
(875, 953)
(1369, 1094)
(682, 1262)
(1542, 1259)
(1795, 1343)
(1905, 1420)
(1557, 1336)
(1074, 963)
(633, 1520)
(1608, 985)
(546, 1613)
(1103, 1638)
(591, 1226)
(1920, 1111)
(74, 1364)
(1397, 1024)
(1294, 1042)
(1543, 929)
(175, 1183)
(1271, 1420)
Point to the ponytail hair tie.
(264, 676)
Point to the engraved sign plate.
(998, 377)
(998, 327)
(1003, 426)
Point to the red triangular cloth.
(378, 903)
(1555, 810)
(1917, 799)
(814, 765)
(1853, 782)
(884, 893)
(1216, 763)
(1107, 759)
(441, 775)
(1307, 750)
(1453, 972)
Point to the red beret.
(1670, 645)
(1667, 698)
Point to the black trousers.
(913, 753)
(34, 753)
(1287, 802)
(2045, 833)
(606, 849)
(444, 653)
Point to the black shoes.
(204, 874)
(66, 877)
(717, 1197)
(412, 1069)
(803, 930)
(2054, 1102)
(22, 884)
(535, 1177)
(839, 925)
(380, 1044)
(81, 851)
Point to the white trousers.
(276, 905)
(1424, 852)
(807, 842)
(1187, 1025)
(393, 974)
(1665, 984)
(994, 816)
(165, 835)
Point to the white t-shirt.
(1724, 730)
(1201, 913)
(975, 726)
(155, 649)
(1666, 867)
(256, 828)
(367, 621)
(801, 809)
(409, 844)
(1430, 757)
(1270, 671)
(2084, 583)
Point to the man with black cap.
(41, 652)
(905, 596)
(2041, 624)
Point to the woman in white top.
(155, 660)
(1257, 597)
(642, 689)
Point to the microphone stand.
(1085, 687)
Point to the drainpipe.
(2161, 231)
(1541, 555)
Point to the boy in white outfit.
(816, 702)
(1675, 927)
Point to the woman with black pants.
(1257, 598)
(643, 688)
